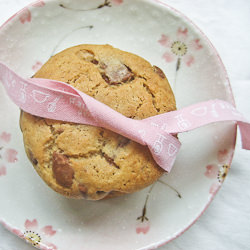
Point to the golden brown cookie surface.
(82, 161)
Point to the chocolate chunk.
(118, 73)
(114, 72)
(63, 172)
(158, 71)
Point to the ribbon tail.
(165, 151)
(164, 162)
(245, 134)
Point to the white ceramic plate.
(167, 39)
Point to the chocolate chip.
(32, 158)
(102, 65)
(110, 160)
(123, 142)
(130, 79)
(106, 79)
(63, 172)
(94, 61)
(83, 190)
(158, 71)
(100, 192)
(34, 161)
(60, 130)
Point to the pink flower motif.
(39, 4)
(37, 66)
(48, 230)
(7, 154)
(38, 237)
(180, 47)
(117, 2)
(212, 171)
(31, 225)
(2, 170)
(223, 156)
(165, 41)
(195, 44)
(182, 33)
(5, 137)
(168, 57)
(25, 16)
(10, 155)
(189, 60)
(142, 227)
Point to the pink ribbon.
(60, 101)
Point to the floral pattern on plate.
(218, 170)
(7, 155)
(106, 3)
(25, 15)
(39, 236)
(148, 220)
(180, 48)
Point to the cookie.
(82, 161)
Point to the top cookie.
(90, 162)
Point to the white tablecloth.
(226, 223)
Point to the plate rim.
(186, 19)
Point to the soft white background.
(226, 223)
